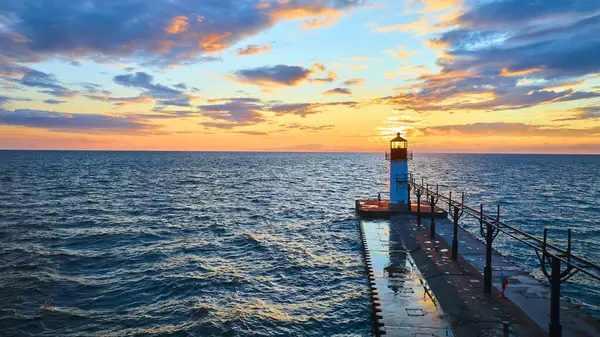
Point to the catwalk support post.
(489, 235)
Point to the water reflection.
(396, 270)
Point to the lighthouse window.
(399, 145)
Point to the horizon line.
(299, 151)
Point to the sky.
(486, 76)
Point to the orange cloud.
(179, 24)
(507, 73)
(331, 76)
(253, 49)
(214, 42)
(327, 21)
(263, 5)
(407, 71)
(401, 52)
(321, 17)
(565, 86)
(420, 27)
(438, 5)
(338, 91)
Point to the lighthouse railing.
(388, 156)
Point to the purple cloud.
(6, 99)
(67, 122)
(233, 112)
(163, 95)
(338, 91)
(273, 75)
(54, 101)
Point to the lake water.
(238, 244)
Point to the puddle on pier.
(408, 306)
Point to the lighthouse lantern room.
(399, 189)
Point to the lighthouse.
(399, 190)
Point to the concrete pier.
(531, 295)
(418, 290)
(405, 304)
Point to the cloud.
(300, 109)
(6, 99)
(122, 101)
(506, 130)
(508, 55)
(93, 88)
(306, 128)
(589, 112)
(161, 32)
(233, 112)
(54, 101)
(68, 122)
(163, 95)
(273, 75)
(325, 22)
(524, 36)
(252, 133)
(229, 113)
(419, 27)
(331, 76)
(319, 14)
(401, 52)
(338, 91)
(47, 82)
(253, 49)
(353, 82)
(305, 109)
(499, 14)
(179, 24)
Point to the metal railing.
(549, 255)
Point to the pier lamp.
(399, 191)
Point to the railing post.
(432, 204)
(455, 235)
(555, 327)
(487, 270)
(505, 329)
(418, 193)
(409, 188)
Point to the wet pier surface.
(421, 292)
(408, 306)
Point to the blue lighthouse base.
(399, 207)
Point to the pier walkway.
(404, 303)
(531, 295)
(419, 291)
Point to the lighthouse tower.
(399, 196)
